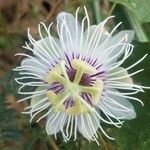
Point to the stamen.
(81, 68)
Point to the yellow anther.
(95, 91)
(78, 109)
(53, 76)
(79, 64)
(62, 97)
(80, 99)
(96, 95)
(57, 100)
(63, 69)
(81, 67)
(53, 97)
(57, 69)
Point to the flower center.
(73, 90)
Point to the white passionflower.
(79, 81)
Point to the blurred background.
(16, 133)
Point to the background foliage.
(16, 133)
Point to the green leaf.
(139, 7)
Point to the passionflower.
(79, 84)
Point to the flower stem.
(96, 10)
(52, 143)
(140, 33)
(103, 142)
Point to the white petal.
(55, 122)
(126, 35)
(114, 40)
(117, 110)
(85, 128)
(36, 68)
(48, 47)
(69, 30)
(38, 98)
(121, 34)
(121, 72)
(45, 53)
(93, 37)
